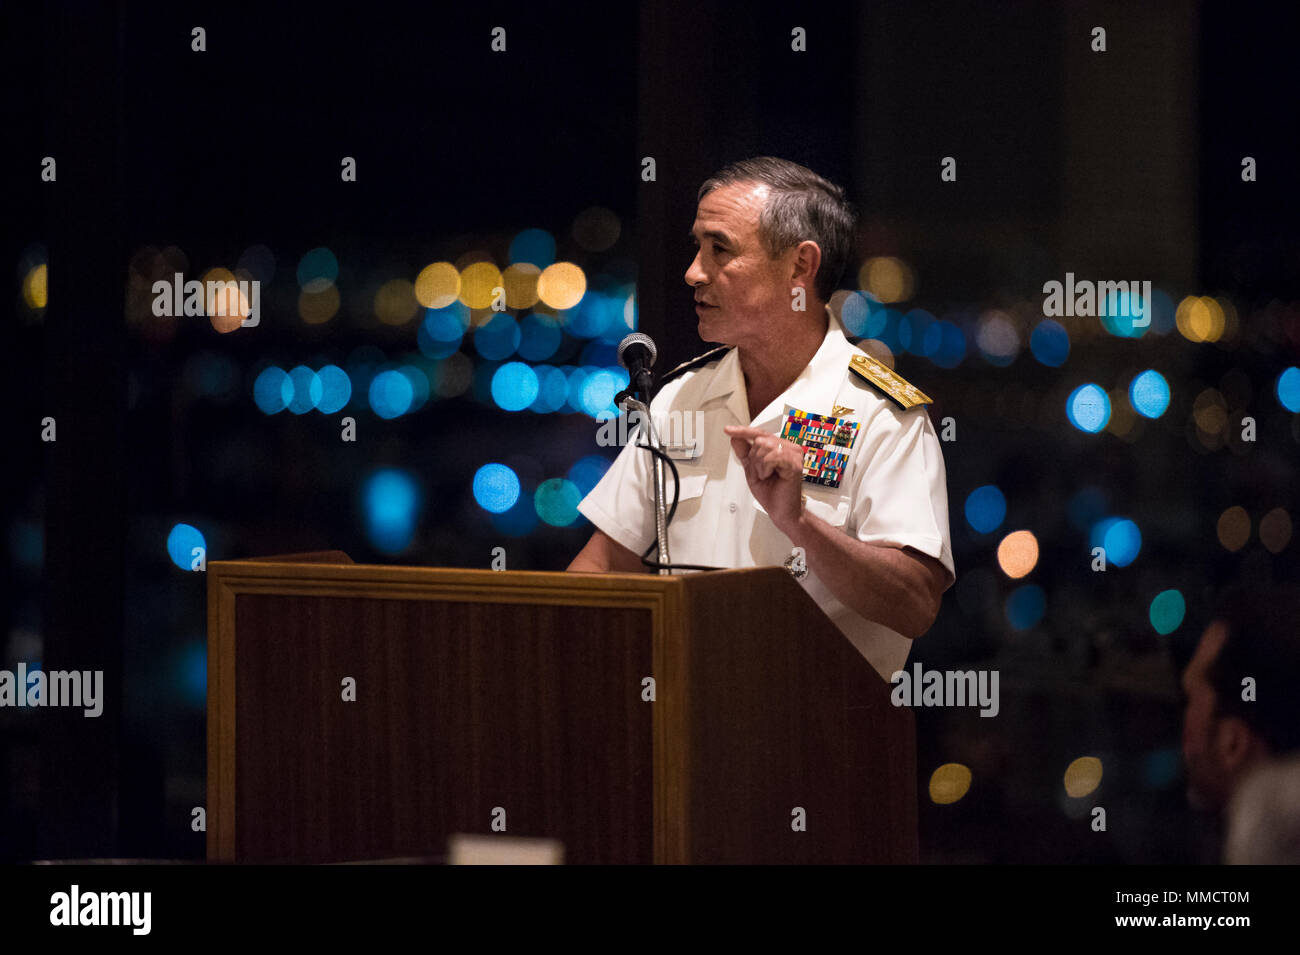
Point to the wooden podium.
(522, 696)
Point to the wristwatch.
(797, 564)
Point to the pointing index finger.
(740, 431)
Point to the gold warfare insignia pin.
(839, 411)
(899, 389)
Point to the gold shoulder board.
(900, 390)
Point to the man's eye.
(717, 248)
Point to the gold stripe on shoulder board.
(904, 393)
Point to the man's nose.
(695, 274)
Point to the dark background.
(1117, 165)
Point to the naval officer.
(806, 451)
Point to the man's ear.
(807, 260)
(1236, 742)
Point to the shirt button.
(732, 507)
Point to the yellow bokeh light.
(562, 285)
(949, 783)
(1275, 530)
(478, 283)
(887, 278)
(1018, 553)
(395, 302)
(1124, 421)
(520, 283)
(1082, 776)
(1210, 411)
(36, 288)
(317, 308)
(437, 285)
(224, 302)
(1199, 318)
(1233, 528)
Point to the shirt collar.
(814, 390)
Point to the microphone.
(637, 354)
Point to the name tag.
(683, 452)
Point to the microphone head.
(634, 339)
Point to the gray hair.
(802, 205)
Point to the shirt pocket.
(690, 485)
(830, 504)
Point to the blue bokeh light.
(211, 375)
(496, 488)
(497, 339)
(598, 391)
(317, 270)
(191, 674)
(945, 343)
(1120, 538)
(585, 473)
(1050, 343)
(986, 508)
(556, 501)
(854, 315)
(1088, 408)
(420, 387)
(594, 314)
(441, 330)
(1288, 389)
(539, 337)
(27, 543)
(573, 390)
(912, 329)
(1167, 611)
(1161, 767)
(272, 390)
(514, 386)
(335, 389)
(181, 541)
(1123, 325)
(886, 323)
(307, 389)
(552, 389)
(599, 352)
(1025, 606)
(391, 394)
(535, 246)
(1149, 394)
(391, 502)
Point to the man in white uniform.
(807, 452)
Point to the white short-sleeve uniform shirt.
(893, 489)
